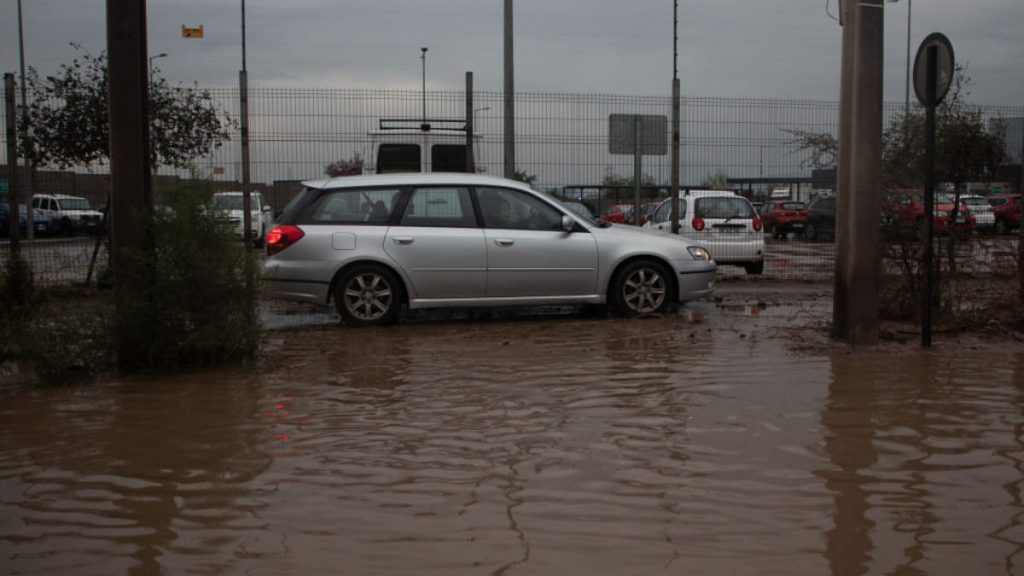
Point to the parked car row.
(54, 214)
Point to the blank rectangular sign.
(653, 134)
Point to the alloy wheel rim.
(368, 296)
(644, 290)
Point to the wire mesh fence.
(745, 145)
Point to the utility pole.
(10, 101)
(860, 180)
(510, 105)
(470, 160)
(243, 97)
(29, 216)
(675, 117)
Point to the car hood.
(626, 232)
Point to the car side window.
(515, 210)
(354, 206)
(439, 207)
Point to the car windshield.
(74, 204)
(723, 207)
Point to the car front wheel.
(368, 295)
(641, 288)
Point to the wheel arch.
(340, 272)
(672, 280)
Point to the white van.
(402, 145)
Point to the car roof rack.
(423, 124)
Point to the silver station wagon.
(374, 243)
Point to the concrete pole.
(1020, 229)
(865, 179)
(510, 105)
(129, 131)
(842, 242)
(470, 159)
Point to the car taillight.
(282, 237)
(698, 224)
(757, 224)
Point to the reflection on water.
(557, 446)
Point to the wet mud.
(732, 438)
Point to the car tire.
(66, 227)
(1001, 227)
(754, 267)
(258, 242)
(810, 233)
(640, 288)
(368, 295)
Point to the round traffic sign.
(944, 66)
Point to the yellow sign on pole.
(191, 32)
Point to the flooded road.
(726, 440)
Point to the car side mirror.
(266, 208)
(568, 224)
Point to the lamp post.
(423, 93)
(151, 58)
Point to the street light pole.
(906, 88)
(151, 58)
(423, 92)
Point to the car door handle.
(403, 240)
(504, 241)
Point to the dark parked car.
(780, 217)
(821, 218)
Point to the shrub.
(19, 301)
(191, 299)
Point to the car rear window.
(353, 206)
(793, 206)
(723, 207)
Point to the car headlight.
(699, 253)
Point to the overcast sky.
(727, 48)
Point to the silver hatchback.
(374, 243)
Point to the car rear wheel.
(368, 295)
(641, 288)
(811, 233)
(754, 267)
(1001, 227)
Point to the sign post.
(933, 75)
(637, 134)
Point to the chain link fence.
(741, 144)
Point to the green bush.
(72, 340)
(191, 299)
(19, 302)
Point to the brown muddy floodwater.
(723, 441)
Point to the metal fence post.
(12, 162)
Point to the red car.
(780, 217)
(618, 214)
(908, 210)
(1007, 211)
(623, 213)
